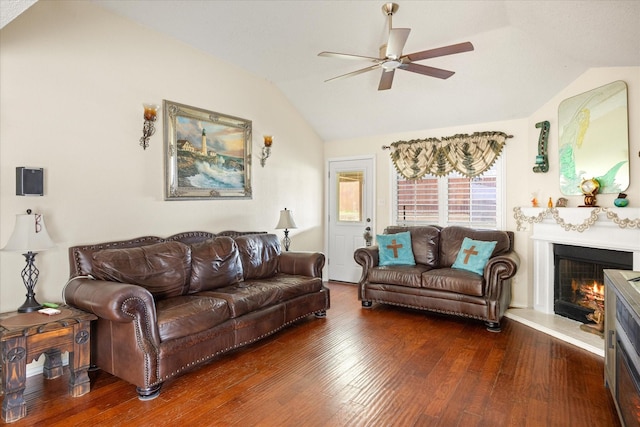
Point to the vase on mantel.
(621, 201)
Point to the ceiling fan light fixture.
(391, 65)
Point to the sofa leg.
(366, 304)
(493, 326)
(320, 314)
(149, 393)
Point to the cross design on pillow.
(394, 246)
(469, 252)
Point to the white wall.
(520, 158)
(73, 80)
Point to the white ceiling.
(525, 53)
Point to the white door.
(350, 208)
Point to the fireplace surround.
(603, 233)
(605, 228)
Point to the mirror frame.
(593, 139)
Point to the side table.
(25, 336)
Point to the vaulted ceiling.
(525, 52)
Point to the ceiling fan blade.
(354, 73)
(349, 56)
(427, 71)
(440, 51)
(397, 39)
(386, 79)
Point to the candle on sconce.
(150, 111)
(266, 150)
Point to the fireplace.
(602, 234)
(579, 280)
(615, 229)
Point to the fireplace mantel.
(605, 228)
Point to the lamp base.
(286, 240)
(30, 275)
(30, 304)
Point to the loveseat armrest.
(117, 302)
(499, 269)
(302, 263)
(367, 257)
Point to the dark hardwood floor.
(379, 367)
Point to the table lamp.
(286, 222)
(29, 237)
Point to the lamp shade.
(286, 220)
(29, 235)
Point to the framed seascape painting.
(207, 154)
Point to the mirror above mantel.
(593, 135)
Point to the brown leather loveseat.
(432, 284)
(165, 306)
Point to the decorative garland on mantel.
(555, 214)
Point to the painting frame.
(207, 154)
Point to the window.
(451, 200)
(350, 187)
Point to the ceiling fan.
(391, 57)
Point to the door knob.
(368, 237)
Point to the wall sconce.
(150, 116)
(30, 237)
(542, 161)
(266, 150)
(286, 221)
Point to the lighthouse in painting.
(204, 143)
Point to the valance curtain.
(471, 155)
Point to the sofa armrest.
(117, 302)
(367, 257)
(302, 263)
(499, 269)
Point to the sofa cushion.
(451, 239)
(474, 255)
(452, 280)
(395, 249)
(188, 315)
(259, 255)
(162, 268)
(404, 275)
(252, 295)
(425, 242)
(215, 263)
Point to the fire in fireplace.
(579, 281)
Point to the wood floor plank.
(358, 367)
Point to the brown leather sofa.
(432, 284)
(165, 306)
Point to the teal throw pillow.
(395, 249)
(474, 255)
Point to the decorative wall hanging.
(207, 154)
(470, 155)
(593, 136)
(542, 159)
